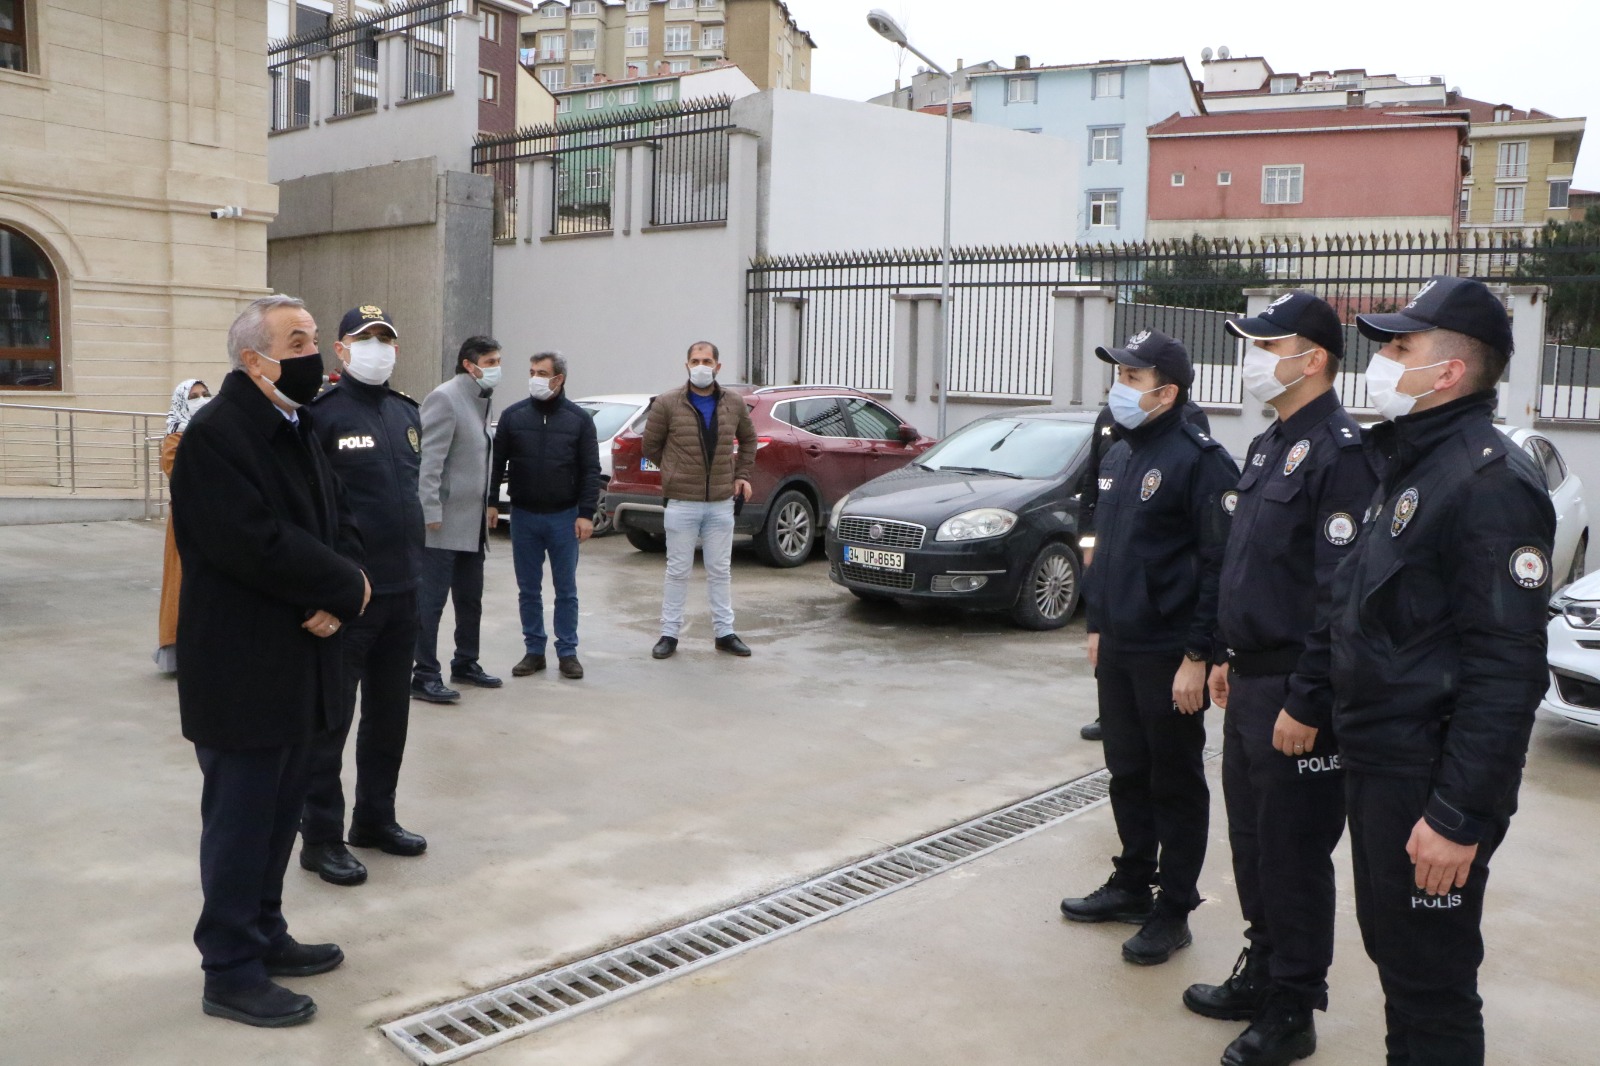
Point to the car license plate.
(645, 464)
(877, 560)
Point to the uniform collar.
(361, 390)
(1171, 417)
(1404, 441)
(1311, 414)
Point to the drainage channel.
(452, 1032)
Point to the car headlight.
(838, 509)
(977, 525)
(1582, 614)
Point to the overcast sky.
(1539, 55)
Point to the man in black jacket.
(269, 579)
(547, 445)
(372, 436)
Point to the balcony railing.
(1511, 170)
(1508, 214)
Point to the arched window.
(30, 315)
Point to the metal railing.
(82, 451)
(1511, 170)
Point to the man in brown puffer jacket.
(690, 435)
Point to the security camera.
(227, 212)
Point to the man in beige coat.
(690, 435)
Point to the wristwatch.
(1196, 657)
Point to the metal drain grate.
(456, 1030)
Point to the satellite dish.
(1223, 53)
(1205, 55)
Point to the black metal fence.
(1002, 305)
(428, 32)
(689, 165)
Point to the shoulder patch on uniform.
(327, 390)
(1339, 529)
(1405, 509)
(1297, 455)
(414, 439)
(1149, 485)
(1344, 430)
(1529, 567)
(1201, 437)
(1230, 501)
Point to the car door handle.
(814, 449)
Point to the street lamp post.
(886, 27)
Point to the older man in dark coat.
(269, 576)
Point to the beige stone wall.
(139, 118)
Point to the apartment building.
(1519, 167)
(1248, 83)
(929, 89)
(604, 99)
(579, 42)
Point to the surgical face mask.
(1124, 404)
(197, 403)
(371, 360)
(701, 377)
(1383, 386)
(540, 388)
(1259, 370)
(299, 380)
(488, 378)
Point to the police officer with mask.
(1296, 515)
(1152, 603)
(372, 437)
(1433, 660)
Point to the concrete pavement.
(567, 816)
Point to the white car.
(1570, 559)
(1574, 654)
(612, 414)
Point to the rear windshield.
(1021, 447)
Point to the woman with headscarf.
(187, 398)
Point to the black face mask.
(299, 378)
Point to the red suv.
(814, 443)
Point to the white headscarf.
(179, 413)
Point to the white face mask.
(488, 378)
(197, 403)
(540, 388)
(1259, 369)
(701, 377)
(371, 360)
(1383, 386)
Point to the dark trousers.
(534, 536)
(377, 657)
(457, 576)
(1427, 948)
(249, 808)
(1156, 756)
(1285, 816)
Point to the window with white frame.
(1513, 160)
(1502, 114)
(488, 87)
(583, 73)
(628, 96)
(1283, 184)
(1278, 262)
(1105, 208)
(564, 105)
(1105, 144)
(710, 3)
(680, 4)
(638, 37)
(711, 37)
(662, 93)
(1224, 177)
(593, 177)
(1177, 179)
(1465, 211)
(554, 78)
(490, 31)
(594, 101)
(552, 48)
(586, 7)
(554, 11)
(1285, 83)
(638, 5)
(1509, 201)
(1558, 193)
(1022, 90)
(677, 66)
(583, 40)
(678, 38)
(1107, 83)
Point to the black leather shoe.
(1166, 932)
(333, 863)
(1237, 998)
(390, 839)
(528, 664)
(267, 1005)
(664, 648)
(1111, 902)
(1283, 1032)
(434, 692)
(733, 646)
(294, 959)
(571, 668)
(474, 675)
(1091, 731)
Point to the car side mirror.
(908, 434)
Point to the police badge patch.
(413, 440)
(1230, 501)
(1529, 568)
(1297, 455)
(1151, 482)
(1340, 529)
(1405, 509)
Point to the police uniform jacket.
(372, 436)
(1152, 586)
(1433, 659)
(1296, 514)
(550, 451)
(265, 542)
(1107, 433)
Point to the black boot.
(1283, 1032)
(1166, 931)
(1114, 901)
(1236, 999)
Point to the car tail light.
(762, 442)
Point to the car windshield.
(1012, 447)
(609, 417)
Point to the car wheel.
(602, 523)
(1049, 592)
(1580, 559)
(653, 543)
(790, 532)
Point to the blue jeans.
(533, 536)
(711, 525)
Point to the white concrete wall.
(840, 175)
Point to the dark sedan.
(986, 520)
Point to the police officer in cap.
(372, 437)
(1433, 660)
(1296, 515)
(1152, 603)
